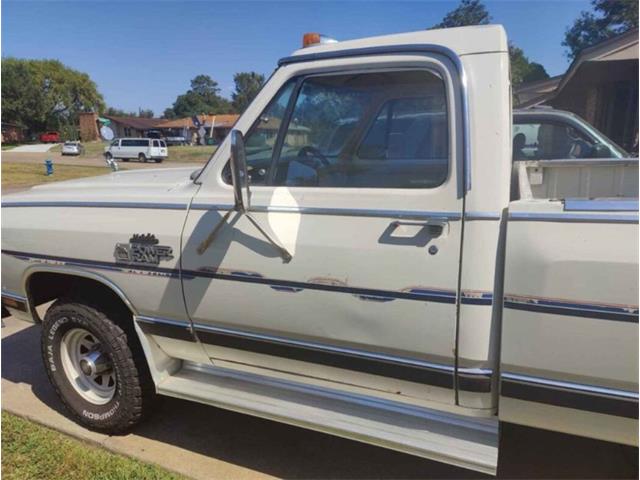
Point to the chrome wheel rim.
(87, 367)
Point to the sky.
(143, 54)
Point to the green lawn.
(33, 452)
(25, 174)
(186, 154)
(191, 154)
(91, 149)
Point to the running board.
(454, 439)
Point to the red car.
(50, 137)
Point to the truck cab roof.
(462, 40)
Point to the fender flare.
(78, 272)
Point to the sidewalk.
(203, 442)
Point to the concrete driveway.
(35, 148)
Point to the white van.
(144, 149)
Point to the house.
(216, 127)
(601, 85)
(132, 126)
(12, 133)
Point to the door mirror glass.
(239, 173)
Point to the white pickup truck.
(378, 279)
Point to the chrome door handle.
(436, 226)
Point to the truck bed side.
(569, 358)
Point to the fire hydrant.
(49, 165)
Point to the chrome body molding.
(572, 217)
(586, 398)
(586, 162)
(601, 205)
(345, 212)
(409, 49)
(15, 302)
(324, 347)
(482, 216)
(573, 308)
(284, 285)
(166, 321)
(73, 204)
(387, 365)
(14, 296)
(570, 385)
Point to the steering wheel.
(308, 152)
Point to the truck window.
(261, 139)
(551, 141)
(367, 130)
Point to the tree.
(45, 94)
(118, 112)
(469, 12)
(202, 97)
(522, 70)
(609, 18)
(248, 85)
(473, 12)
(168, 113)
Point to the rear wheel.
(96, 368)
(142, 157)
(158, 160)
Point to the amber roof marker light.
(312, 38)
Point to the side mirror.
(240, 180)
(239, 172)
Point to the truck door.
(357, 175)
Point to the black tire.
(142, 157)
(158, 160)
(134, 393)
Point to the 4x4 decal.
(142, 249)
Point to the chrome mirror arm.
(286, 256)
(206, 243)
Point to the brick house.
(601, 86)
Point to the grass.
(191, 154)
(31, 451)
(178, 154)
(91, 149)
(6, 146)
(25, 174)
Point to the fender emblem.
(142, 249)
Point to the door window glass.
(376, 130)
(261, 139)
(551, 141)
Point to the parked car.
(72, 148)
(144, 149)
(549, 134)
(375, 281)
(176, 140)
(50, 137)
(157, 134)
